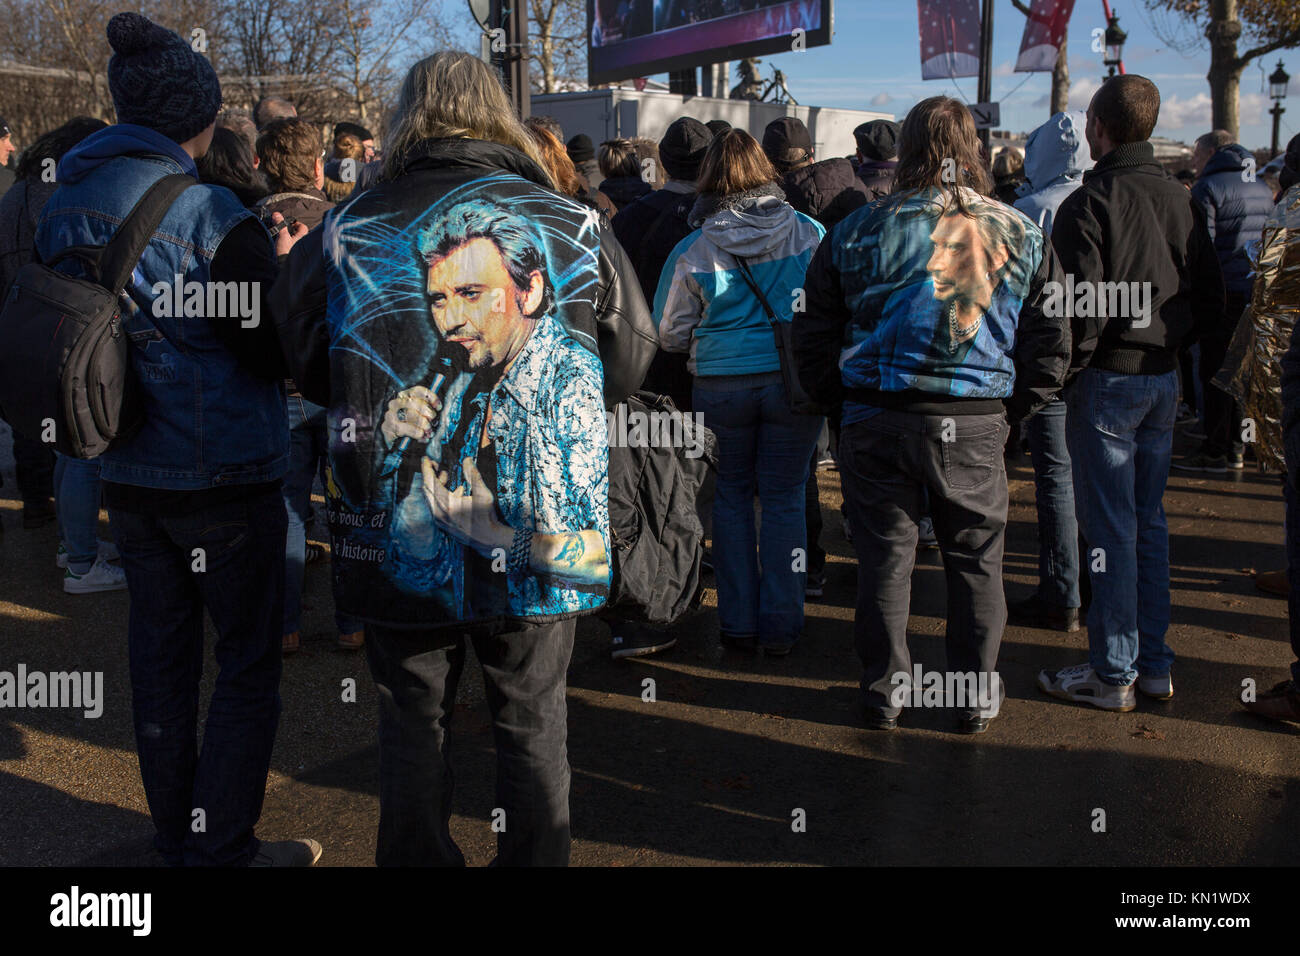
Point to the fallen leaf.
(739, 782)
(1146, 733)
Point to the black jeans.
(34, 469)
(1222, 414)
(887, 464)
(416, 674)
(228, 559)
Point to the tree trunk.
(1061, 77)
(1225, 68)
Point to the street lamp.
(1277, 91)
(1115, 38)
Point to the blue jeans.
(241, 584)
(308, 445)
(761, 445)
(76, 501)
(1121, 431)
(1058, 528)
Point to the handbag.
(783, 336)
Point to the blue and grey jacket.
(1056, 157)
(208, 421)
(703, 304)
(915, 304)
(1236, 206)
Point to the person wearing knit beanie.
(683, 147)
(158, 81)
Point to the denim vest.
(208, 422)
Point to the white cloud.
(1006, 68)
(880, 99)
(1081, 90)
(1178, 112)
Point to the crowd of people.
(451, 313)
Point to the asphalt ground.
(715, 769)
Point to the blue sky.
(874, 63)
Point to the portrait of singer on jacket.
(514, 462)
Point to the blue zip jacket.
(1235, 211)
(703, 304)
(208, 421)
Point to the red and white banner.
(950, 38)
(1044, 30)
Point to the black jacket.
(878, 176)
(649, 229)
(360, 327)
(828, 191)
(1132, 222)
(623, 327)
(625, 190)
(19, 209)
(656, 531)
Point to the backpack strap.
(122, 253)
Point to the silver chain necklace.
(955, 330)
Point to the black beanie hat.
(356, 129)
(580, 148)
(158, 81)
(787, 140)
(878, 139)
(717, 127)
(683, 147)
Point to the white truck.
(616, 112)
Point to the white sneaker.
(925, 537)
(102, 576)
(1161, 688)
(1082, 685)
(107, 551)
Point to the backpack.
(657, 538)
(66, 360)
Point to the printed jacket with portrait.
(876, 335)
(354, 319)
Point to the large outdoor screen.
(633, 38)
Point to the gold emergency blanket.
(1252, 371)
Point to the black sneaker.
(1211, 464)
(635, 640)
(1033, 612)
(739, 642)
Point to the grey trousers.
(888, 463)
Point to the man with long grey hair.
(443, 316)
